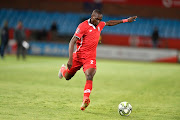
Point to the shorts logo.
(91, 62)
(87, 91)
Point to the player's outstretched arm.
(115, 22)
(71, 49)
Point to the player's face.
(96, 19)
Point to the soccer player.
(86, 38)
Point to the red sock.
(63, 70)
(87, 89)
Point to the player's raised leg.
(63, 72)
(88, 87)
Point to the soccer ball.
(124, 109)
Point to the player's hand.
(69, 64)
(132, 19)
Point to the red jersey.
(88, 36)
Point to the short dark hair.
(97, 11)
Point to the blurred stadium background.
(31, 89)
(39, 16)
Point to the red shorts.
(79, 62)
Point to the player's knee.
(89, 77)
(67, 78)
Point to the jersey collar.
(91, 24)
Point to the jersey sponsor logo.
(90, 30)
(87, 91)
(78, 30)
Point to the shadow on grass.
(98, 114)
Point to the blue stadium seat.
(67, 23)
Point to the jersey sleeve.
(80, 31)
(101, 25)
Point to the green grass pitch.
(31, 90)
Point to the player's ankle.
(85, 97)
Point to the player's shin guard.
(87, 92)
(87, 89)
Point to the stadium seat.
(68, 22)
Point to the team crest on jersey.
(90, 30)
(78, 30)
